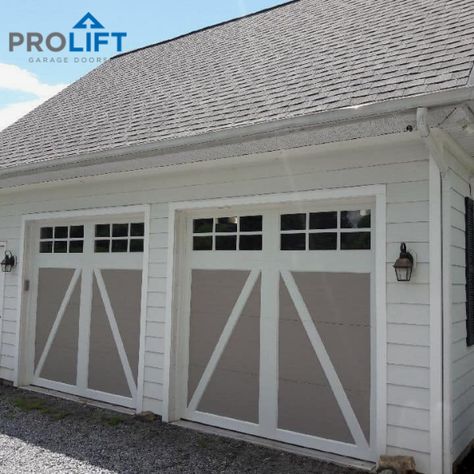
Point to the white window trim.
(175, 258)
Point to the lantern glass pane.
(403, 273)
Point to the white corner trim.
(436, 319)
(380, 390)
(446, 323)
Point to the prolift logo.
(88, 37)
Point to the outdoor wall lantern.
(8, 262)
(404, 264)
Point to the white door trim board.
(281, 198)
(173, 366)
(23, 326)
(379, 418)
(91, 212)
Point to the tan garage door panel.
(306, 402)
(233, 390)
(60, 363)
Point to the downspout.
(439, 445)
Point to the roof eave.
(443, 98)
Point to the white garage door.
(86, 299)
(280, 324)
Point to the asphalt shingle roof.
(305, 57)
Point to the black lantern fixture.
(404, 264)
(8, 262)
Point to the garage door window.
(62, 239)
(329, 230)
(121, 237)
(228, 233)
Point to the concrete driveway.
(40, 434)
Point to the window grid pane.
(102, 230)
(101, 246)
(293, 242)
(323, 241)
(119, 230)
(250, 242)
(326, 230)
(355, 219)
(227, 233)
(355, 241)
(119, 237)
(226, 242)
(137, 229)
(293, 221)
(136, 245)
(60, 239)
(251, 224)
(323, 220)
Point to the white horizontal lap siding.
(408, 329)
(10, 234)
(155, 316)
(462, 357)
(403, 168)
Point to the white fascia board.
(148, 166)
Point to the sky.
(29, 78)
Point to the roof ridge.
(210, 27)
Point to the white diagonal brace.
(115, 332)
(224, 339)
(325, 361)
(57, 321)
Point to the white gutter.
(238, 133)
